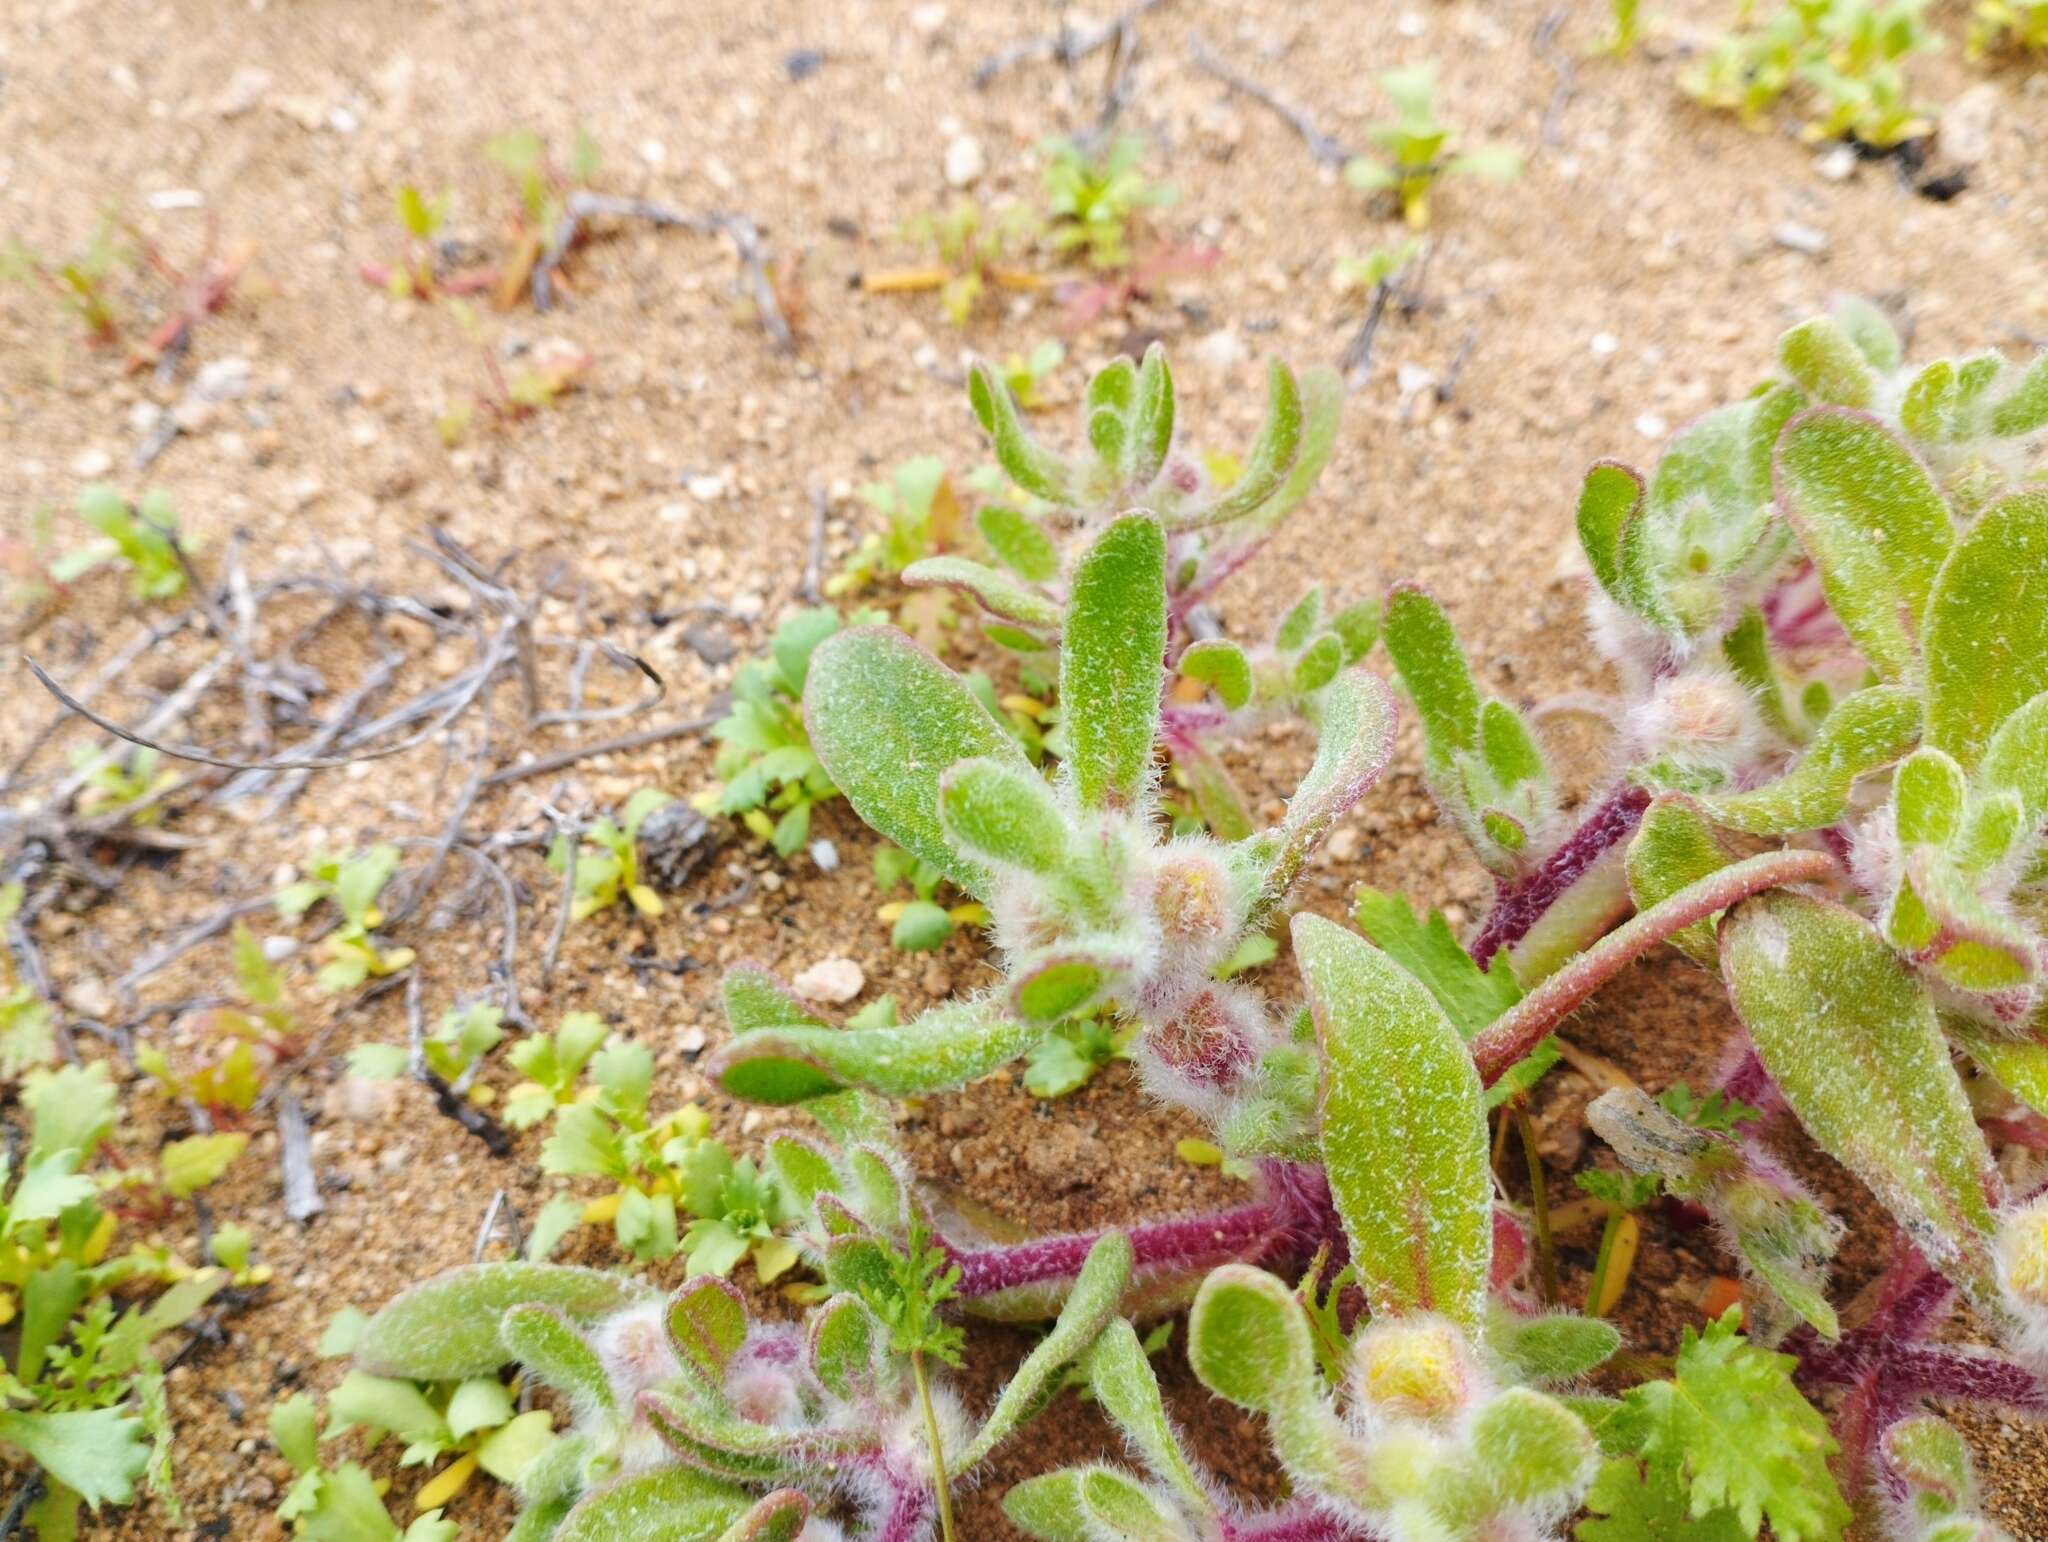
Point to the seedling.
(1850, 54)
(127, 786)
(142, 537)
(544, 188)
(1067, 1059)
(1096, 199)
(351, 884)
(1420, 149)
(973, 252)
(1381, 265)
(608, 860)
(2008, 24)
(28, 1037)
(921, 518)
(769, 776)
(1025, 374)
(415, 275)
(241, 1043)
(78, 284)
(920, 924)
(84, 1398)
(1627, 30)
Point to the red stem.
(1532, 1019)
(1523, 903)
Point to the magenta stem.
(1294, 1525)
(1525, 1025)
(1293, 1217)
(1523, 903)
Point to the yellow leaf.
(483, 1096)
(446, 1484)
(774, 1258)
(970, 914)
(101, 1239)
(759, 823)
(892, 911)
(600, 1211)
(1030, 706)
(1198, 1153)
(645, 900)
(1620, 1260)
(6, 1307)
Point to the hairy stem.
(1293, 1525)
(1524, 903)
(1531, 1020)
(1295, 1211)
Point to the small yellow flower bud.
(1414, 1368)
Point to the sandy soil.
(1632, 278)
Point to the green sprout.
(79, 284)
(1096, 198)
(920, 924)
(2014, 24)
(921, 518)
(972, 253)
(28, 1037)
(127, 786)
(142, 537)
(608, 860)
(1420, 149)
(351, 884)
(1850, 55)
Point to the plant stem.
(931, 1430)
(1539, 1198)
(1597, 1287)
(1526, 1024)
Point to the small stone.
(653, 152)
(826, 855)
(691, 1040)
(927, 20)
(1344, 843)
(830, 981)
(1605, 345)
(361, 1100)
(1966, 124)
(705, 489)
(143, 418)
(1221, 351)
(277, 948)
(964, 162)
(1837, 164)
(244, 91)
(1065, 1158)
(1413, 378)
(1651, 426)
(173, 199)
(937, 981)
(1795, 237)
(675, 843)
(94, 462)
(89, 997)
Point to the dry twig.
(1320, 145)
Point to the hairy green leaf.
(1849, 1034)
(1112, 662)
(446, 1329)
(1987, 625)
(1403, 1130)
(888, 721)
(1004, 815)
(1869, 514)
(946, 1047)
(1865, 732)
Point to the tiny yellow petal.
(599, 1211)
(893, 911)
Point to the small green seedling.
(416, 275)
(83, 1397)
(1096, 199)
(79, 284)
(1850, 55)
(973, 252)
(352, 883)
(142, 537)
(1067, 1059)
(28, 1035)
(238, 1045)
(921, 518)
(123, 787)
(1627, 30)
(1381, 265)
(1026, 373)
(2020, 25)
(920, 924)
(1420, 149)
(769, 776)
(608, 860)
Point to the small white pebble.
(1605, 344)
(831, 981)
(1651, 426)
(826, 855)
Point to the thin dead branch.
(295, 1155)
(1320, 145)
(1066, 47)
(737, 228)
(659, 734)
